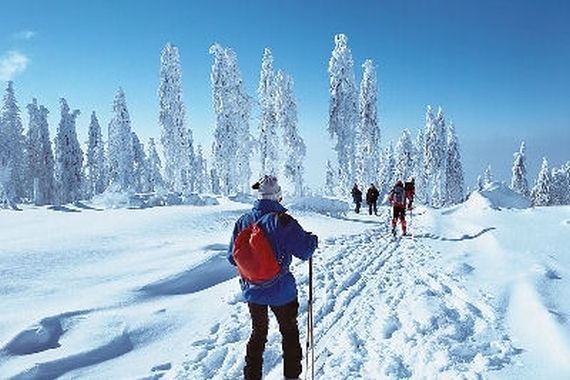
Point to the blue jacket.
(287, 238)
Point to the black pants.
(287, 319)
(372, 205)
(357, 209)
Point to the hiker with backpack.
(371, 198)
(357, 197)
(397, 199)
(262, 245)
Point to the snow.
(481, 289)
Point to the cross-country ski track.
(382, 309)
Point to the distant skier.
(371, 198)
(356, 197)
(397, 199)
(263, 242)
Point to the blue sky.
(500, 69)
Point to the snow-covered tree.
(519, 182)
(201, 167)
(192, 171)
(387, 171)
(435, 157)
(560, 183)
(154, 165)
(454, 180)
(68, 157)
(431, 153)
(174, 135)
(404, 157)
(268, 137)
(140, 175)
(96, 177)
(120, 147)
(215, 185)
(6, 199)
(330, 179)
(232, 141)
(39, 154)
(12, 145)
(368, 140)
(541, 194)
(419, 172)
(343, 110)
(286, 119)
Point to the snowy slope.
(480, 289)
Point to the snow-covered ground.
(481, 289)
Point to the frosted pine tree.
(174, 135)
(242, 113)
(68, 157)
(431, 154)
(192, 172)
(404, 157)
(154, 165)
(120, 146)
(563, 186)
(215, 185)
(96, 165)
(541, 194)
(387, 172)
(435, 157)
(12, 153)
(454, 180)
(39, 154)
(330, 180)
(232, 142)
(559, 186)
(286, 118)
(268, 138)
(419, 172)
(140, 175)
(368, 144)
(6, 199)
(519, 182)
(343, 111)
(202, 178)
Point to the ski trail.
(408, 318)
(383, 308)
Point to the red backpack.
(254, 255)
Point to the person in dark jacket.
(287, 239)
(371, 198)
(356, 197)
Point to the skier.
(356, 197)
(284, 238)
(371, 198)
(397, 199)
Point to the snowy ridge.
(147, 294)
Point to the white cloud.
(24, 35)
(11, 64)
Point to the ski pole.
(310, 338)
